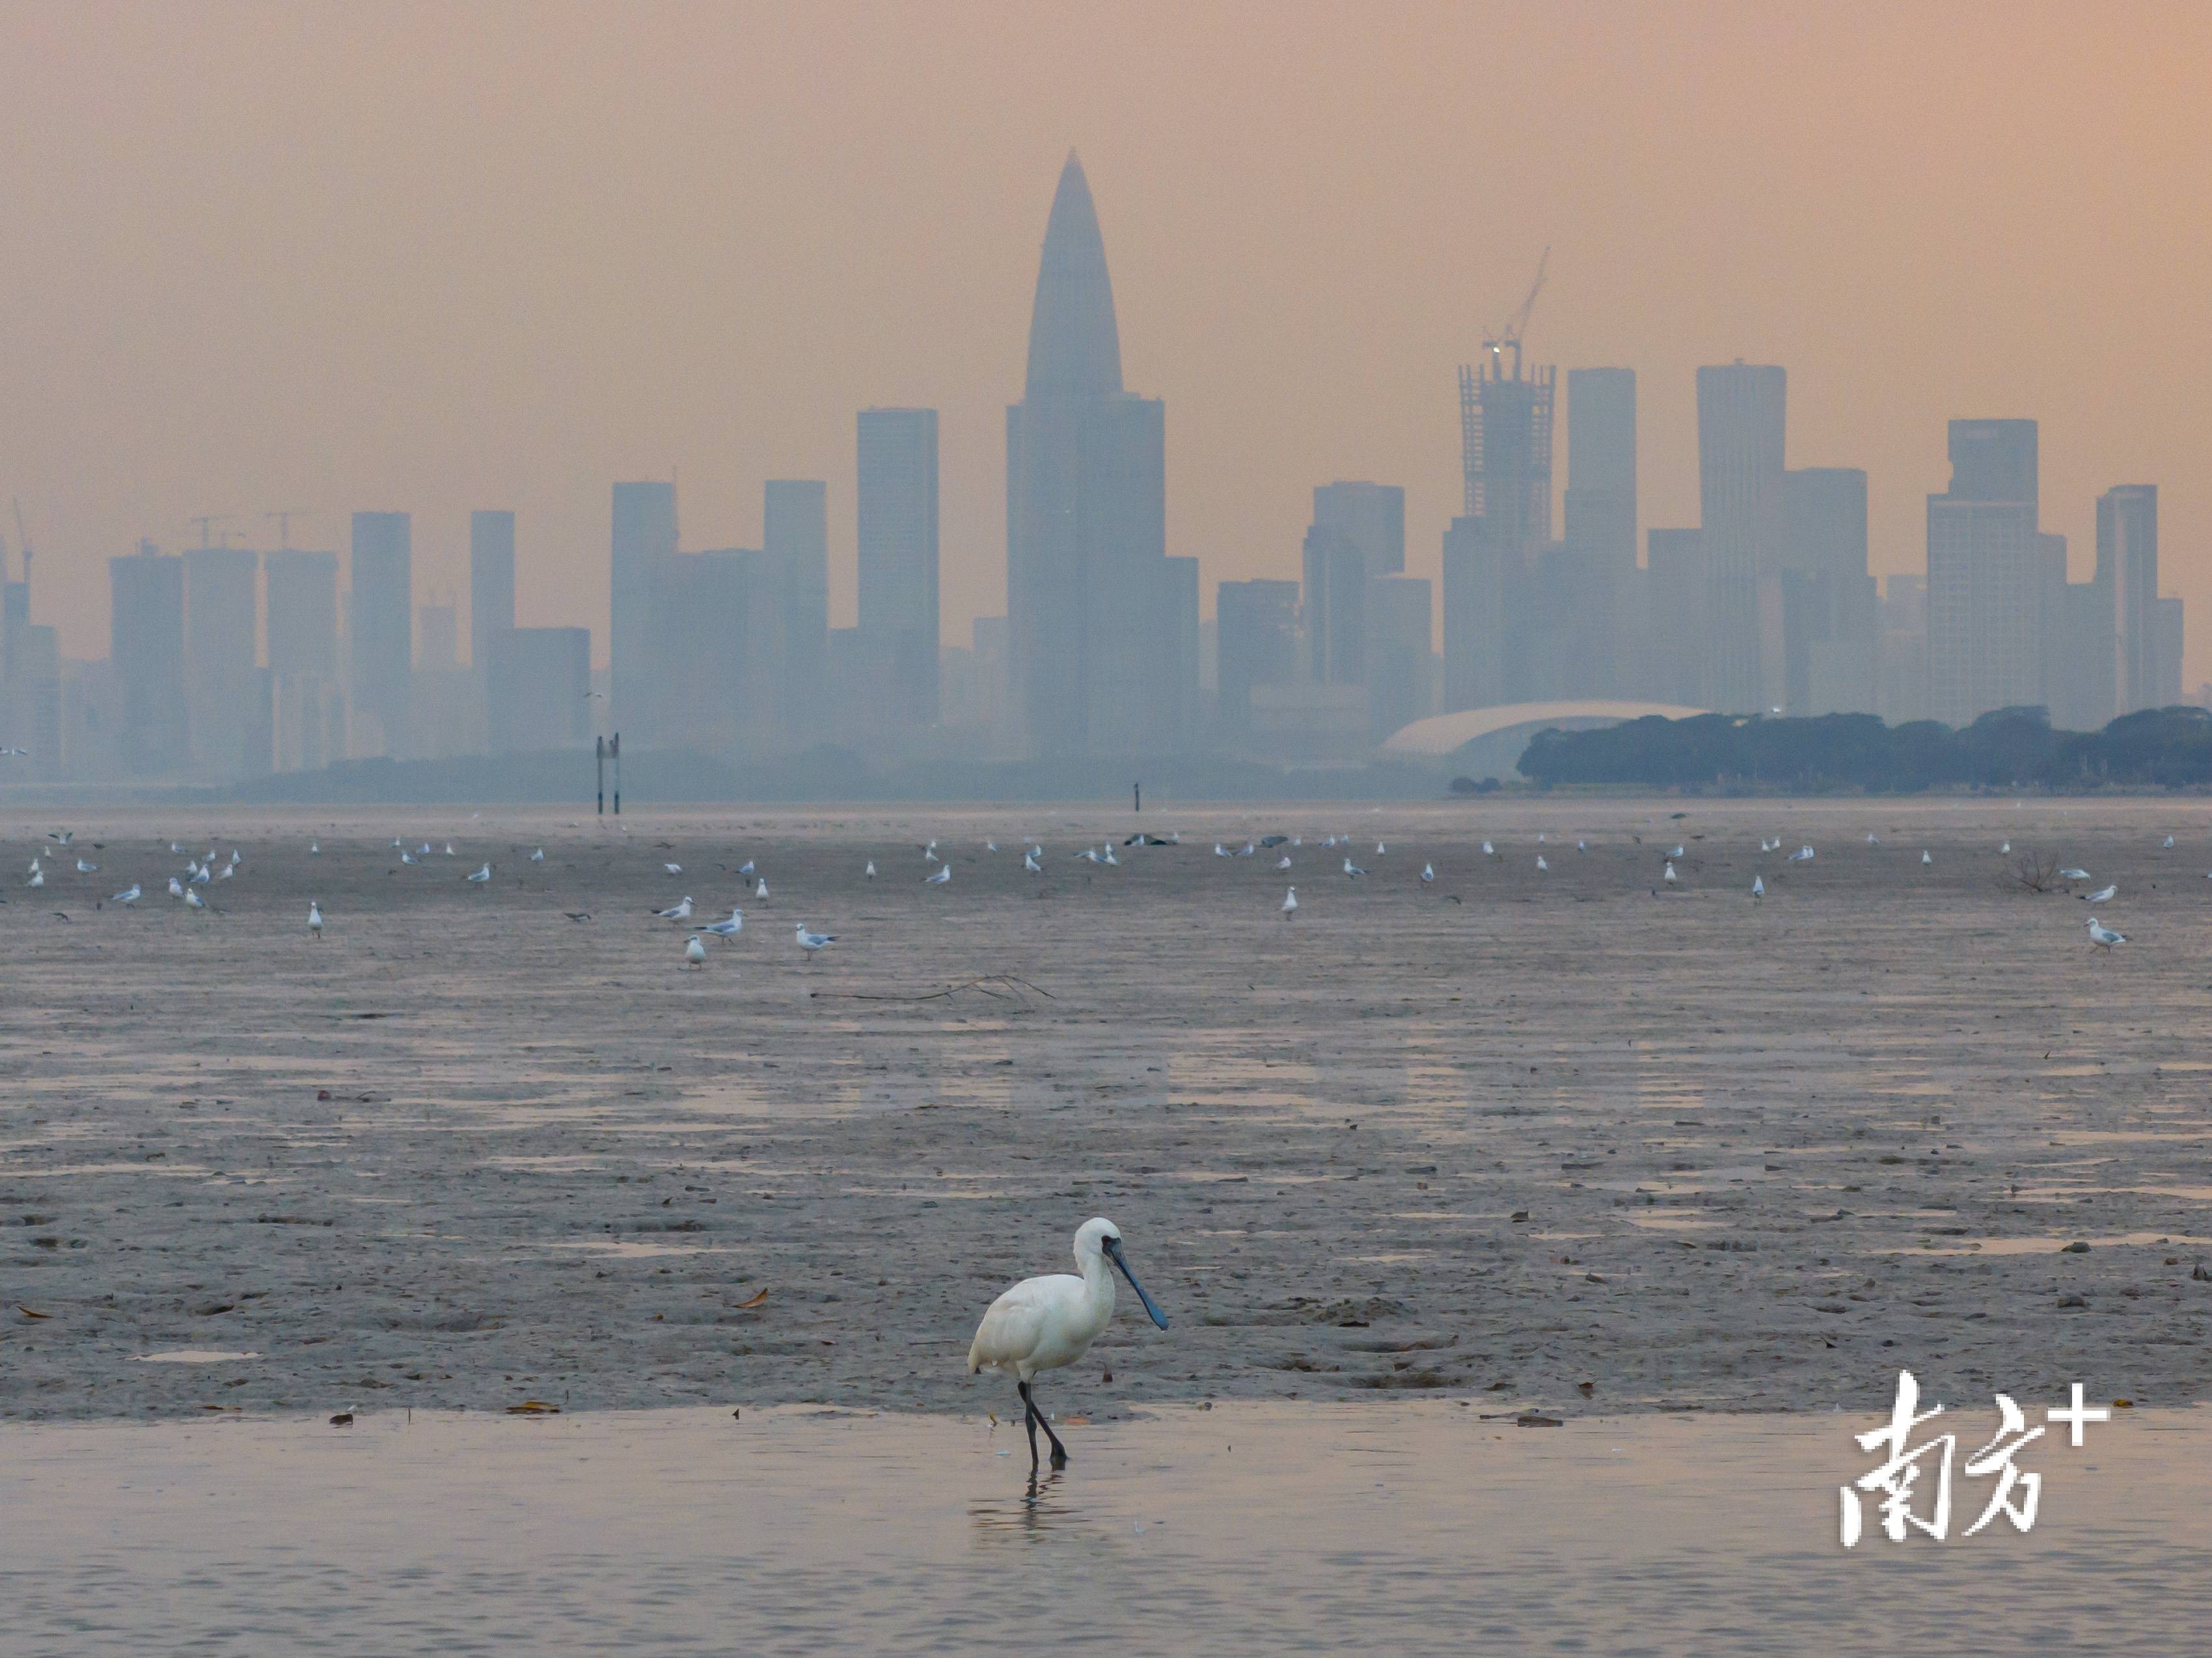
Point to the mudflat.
(1573, 1140)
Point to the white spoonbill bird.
(693, 951)
(811, 942)
(315, 919)
(1290, 903)
(2103, 936)
(1045, 1323)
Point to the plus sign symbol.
(2078, 1416)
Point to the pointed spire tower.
(1075, 350)
(1091, 603)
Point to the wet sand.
(1561, 1141)
(1257, 1527)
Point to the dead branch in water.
(1010, 988)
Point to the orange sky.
(438, 256)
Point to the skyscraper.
(383, 638)
(1358, 536)
(795, 535)
(1086, 511)
(2127, 572)
(223, 689)
(1601, 497)
(1741, 413)
(1987, 576)
(1491, 553)
(1256, 623)
(1828, 600)
(146, 646)
(898, 597)
(643, 538)
(309, 713)
(491, 583)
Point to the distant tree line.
(2009, 747)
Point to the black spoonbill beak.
(1113, 1253)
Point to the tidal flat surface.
(1569, 1141)
(1258, 1527)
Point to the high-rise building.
(1600, 495)
(537, 680)
(1086, 513)
(1491, 585)
(146, 648)
(1987, 576)
(1257, 625)
(1901, 665)
(795, 535)
(2167, 691)
(1741, 432)
(308, 716)
(1398, 629)
(898, 523)
(644, 536)
(491, 582)
(1829, 625)
(2127, 571)
(1358, 536)
(383, 631)
(226, 693)
(1675, 617)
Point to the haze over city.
(417, 259)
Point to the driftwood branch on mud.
(1001, 987)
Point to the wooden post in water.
(601, 766)
(614, 748)
(1138, 790)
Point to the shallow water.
(1246, 1529)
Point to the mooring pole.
(614, 747)
(600, 765)
(1138, 790)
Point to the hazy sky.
(444, 256)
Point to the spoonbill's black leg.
(1058, 1450)
(1029, 1421)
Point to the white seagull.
(130, 896)
(314, 849)
(1669, 876)
(2073, 874)
(1541, 866)
(1283, 862)
(37, 879)
(760, 888)
(693, 951)
(2103, 936)
(681, 911)
(944, 874)
(176, 888)
(1290, 903)
(1352, 870)
(1924, 858)
(1029, 863)
(871, 869)
(405, 856)
(811, 942)
(1802, 855)
(315, 918)
(745, 868)
(1045, 1323)
(192, 901)
(537, 856)
(673, 869)
(1758, 887)
(728, 929)
(1221, 851)
(84, 868)
(1489, 851)
(482, 875)
(2167, 841)
(2104, 894)
(2005, 850)
(1428, 873)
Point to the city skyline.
(435, 388)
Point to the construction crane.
(205, 520)
(1510, 334)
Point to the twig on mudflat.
(1010, 990)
